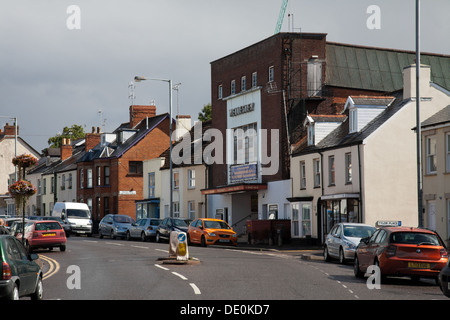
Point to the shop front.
(147, 209)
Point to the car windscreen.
(122, 219)
(215, 225)
(180, 223)
(78, 213)
(47, 226)
(358, 231)
(417, 238)
(155, 222)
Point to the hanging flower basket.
(24, 161)
(22, 189)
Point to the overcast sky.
(52, 76)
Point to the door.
(432, 215)
(365, 251)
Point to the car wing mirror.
(34, 256)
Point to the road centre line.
(115, 244)
(179, 275)
(140, 247)
(196, 289)
(166, 251)
(161, 267)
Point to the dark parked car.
(444, 280)
(171, 224)
(66, 226)
(20, 275)
(144, 229)
(114, 225)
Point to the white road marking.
(196, 289)
(140, 247)
(179, 275)
(161, 267)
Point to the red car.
(402, 251)
(45, 234)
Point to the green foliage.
(205, 114)
(74, 132)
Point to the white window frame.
(176, 180)
(191, 178)
(316, 164)
(431, 164)
(254, 79)
(243, 83)
(220, 92)
(191, 209)
(311, 134)
(348, 168)
(302, 175)
(176, 209)
(353, 121)
(151, 185)
(331, 171)
(89, 182)
(233, 87)
(271, 74)
(447, 152)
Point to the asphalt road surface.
(106, 269)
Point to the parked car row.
(202, 231)
(395, 251)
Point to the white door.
(432, 215)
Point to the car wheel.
(358, 273)
(143, 237)
(341, 256)
(203, 241)
(158, 237)
(39, 292)
(326, 255)
(112, 235)
(62, 247)
(188, 240)
(100, 234)
(128, 236)
(14, 294)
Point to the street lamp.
(139, 79)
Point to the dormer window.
(353, 120)
(311, 134)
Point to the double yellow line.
(54, 266)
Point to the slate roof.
(440, 117)
(341, 137)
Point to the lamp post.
(139, 79)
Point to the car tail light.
(444, 253)
(150, 228)
(391, 251)
(6, 271)
(62, 233)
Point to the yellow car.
(211, 231)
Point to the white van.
(77, 214)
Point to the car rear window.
(47, 226)
(155, 222)
(416, 238)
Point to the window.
(70, 181)
(220, 92)
(176, 209)
(447, 153)
(191, 178)
(52, 185)
(191, 209)
(243, 83)
(176, 180)
(353, 120)
(431, 155)
(233, 86)
(97, 207)
(89, 178)
(39, 188)
(45, 186)
(302, 175)
(271, 74)
(151, 184)
(254, 79)
(316, 164)
(106, 205)
(311, 134)
(63, 182)
(331, 171)
(348, 168)
(81, 179)
(99, 176)
(245, 144)
(135, 167)
(106, 175)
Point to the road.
(105, 269)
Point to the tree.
(73, 133)
(205, 114)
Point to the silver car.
(144, 229)
(343, 239)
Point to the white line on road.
(141, 247)
(161, 267)
(179, 275)
(115, 244)
(93, 241)
(196, 289)
(166, 251)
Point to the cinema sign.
(242, 109)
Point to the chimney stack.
(10, 130)
(66, 149)
(140, 112)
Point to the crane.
(281, 16)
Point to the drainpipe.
(321, 186)
(360, 185)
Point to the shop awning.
(235, 188)
(340, 196)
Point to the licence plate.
(221, 240)
(418, 265)
(49, 234)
